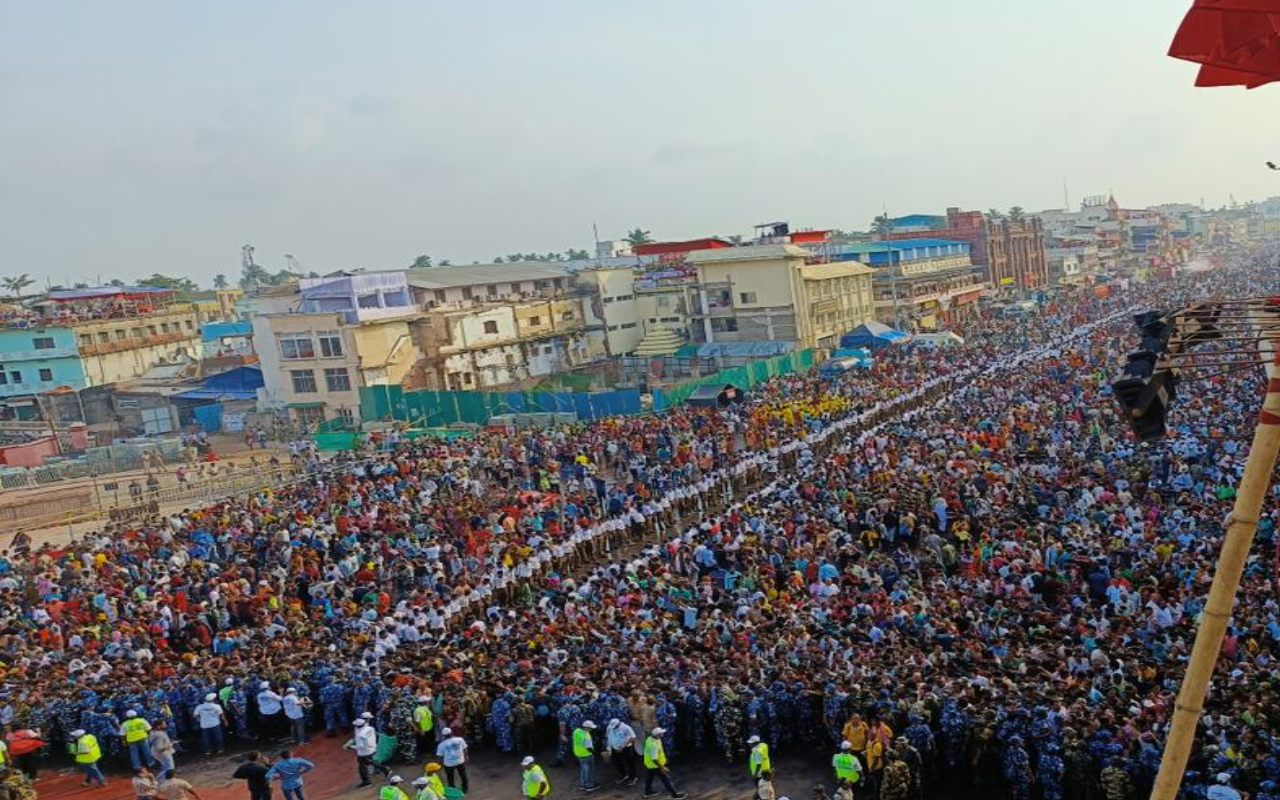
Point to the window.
(85, 338)
(337, 380)
(103, 337)
(136, 333)
(466, 293)
(747, 297)
(304, 381)
(151, 330)
(368, 301)
(164, 327)
(46, 374)
(439, 295)
(15, 376)
(121, 335)
(490, 326)
(626, 326)
(491, 290)
(347, 415)
(664, 301)
(566, 316)
(45, 342)
(295, 346)
(330, 344)
(4, 379)
(535, 320)
(466, 378)
(190, 325)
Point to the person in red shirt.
(24, 746)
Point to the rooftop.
(477, 274)
(760, 252)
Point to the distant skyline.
(150, 136)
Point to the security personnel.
(533, 781)
(655, 764)
(5, 761)
(135, 729)
(424, 722)
(425, 791)
(758, 760)
(846, 764)
(392, 790)
(84, 746)
(433, 779)
(584, 749)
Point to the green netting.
(339, 440)
(743, 377)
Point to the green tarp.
(743, 377)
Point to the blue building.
(920, 284)
(39, 360)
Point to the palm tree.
(882, 226)
(254, 277)
(994, 214)
(638, 236)
(16, 285)
(1017, 214)
(576, 255)
(219, 281)
(444, 262)
(421, 262)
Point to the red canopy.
(1236, 41)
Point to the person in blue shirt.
(289, 770)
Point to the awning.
(1236, 42)
(306, 404)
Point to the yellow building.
(773, 292)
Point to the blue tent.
(873, 335)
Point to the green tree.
(638, 236)
(254, 277)
(115, 282)
(444, 262)
(499, 260)
(1017, 214)
(168, 282)
(882, 225)
(421, 262)
(576, 255)
(17, 284)
(219, 281)
(994, 214)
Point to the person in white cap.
(1223, 790)
(533, 780)
(452, 752)
(211, 720)
(621, 739)
(758, 759)
(424, 790)
(365, 743)
(134, 731)
(271, 711)
(295, 710)
(424, 723)
(392, 790)
(584, 749)
(846, 765)
(84, 747)
(655, 764)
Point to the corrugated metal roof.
(756, 252)
(450, 277)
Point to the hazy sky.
(161, 136)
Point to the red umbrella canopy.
(1237, 42)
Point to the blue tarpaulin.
(873, 335)
(241, 383)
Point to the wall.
(277, 371)
(19, 355)
(31, 454)
(616, 307)
(117, 350)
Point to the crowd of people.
(953, 564)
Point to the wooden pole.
(1241, 526)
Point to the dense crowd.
(954, 563)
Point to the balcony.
(120, 345)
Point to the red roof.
(667, 248)
(804, 237)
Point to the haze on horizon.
(142, 137)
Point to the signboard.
(233, 421)
(1006, 281)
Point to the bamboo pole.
(1241, 526)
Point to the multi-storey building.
(323, 339)
(920, 283)
(86, 338)
(775, 292)
(1011, 252)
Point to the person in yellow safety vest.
(84, 747)
(433, 779)
(4, 755)
(424, 722)
(758, 760)
(655, 764)
(135, 730)
(392, 790)
(584, 749)
(425, 790)
(846, 764)
(533, 781)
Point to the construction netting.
(434, 409)
(743, 377)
